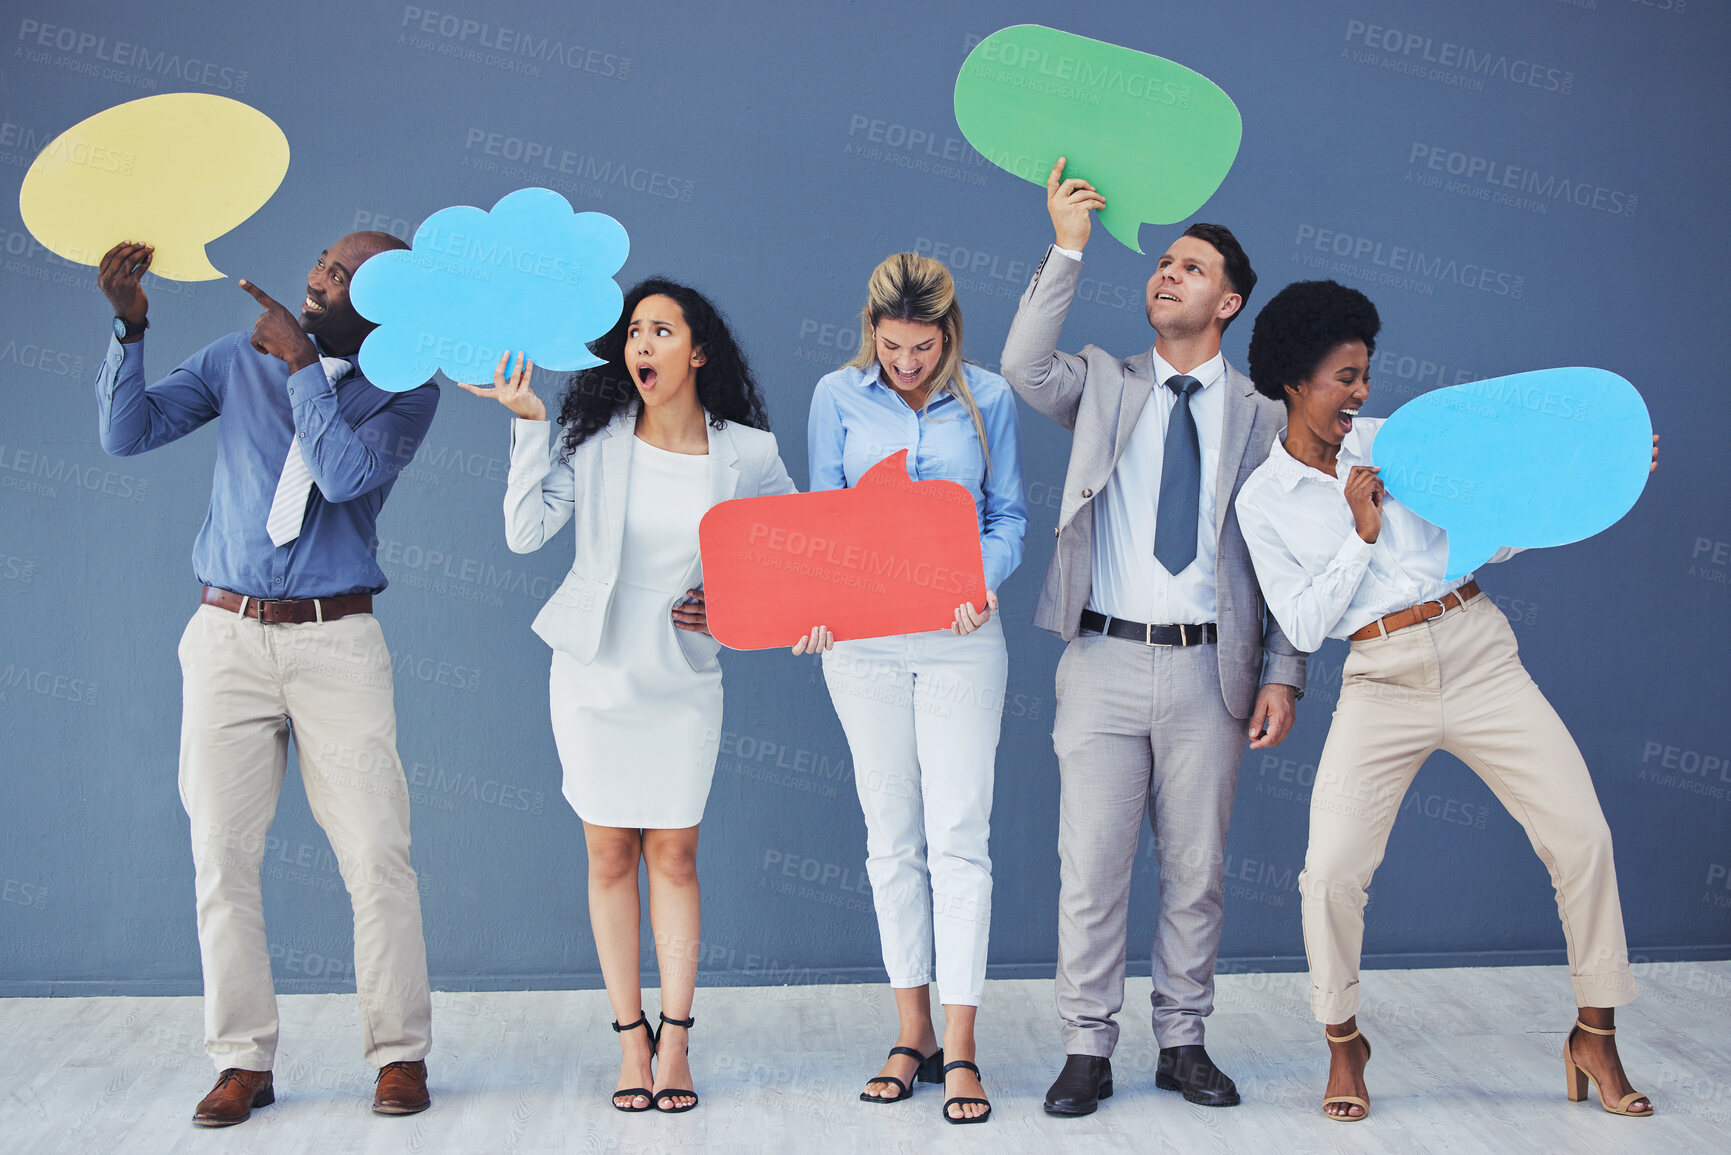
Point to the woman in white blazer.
(671, 424)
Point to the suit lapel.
(616, 478)
(723, 464)
(1234, 438)
(1138, 383)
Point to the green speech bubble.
(1156, 138)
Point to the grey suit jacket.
(1100, 397)
(543, 493)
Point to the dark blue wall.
(772, 157)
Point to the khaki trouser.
(246, 687)
(1454, 683)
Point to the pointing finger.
(259, 294)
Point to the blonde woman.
(922, 711)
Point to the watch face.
(119, 329)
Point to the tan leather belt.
(288, 611)
(1413, 615)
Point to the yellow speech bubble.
(175, 171)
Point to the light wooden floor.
(1465, 1061)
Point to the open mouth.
(311, 306)
(646, 375)
(1345, 417)
(908, 379)
(1165, 297)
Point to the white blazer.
(542, 493)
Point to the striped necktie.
(289, 507)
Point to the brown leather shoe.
(402, 1089)
(231, 1101)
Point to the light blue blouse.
(857, 421)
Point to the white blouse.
(1319, 578)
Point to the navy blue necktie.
(1180, 482)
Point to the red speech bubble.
(889, 556)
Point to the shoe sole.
(391, 1110)
(1168, 1083)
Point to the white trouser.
(922, 714)
(244, 685)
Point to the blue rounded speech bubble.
(530, 275)
(1531, 459)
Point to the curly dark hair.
(1300, 326)
(725, 387)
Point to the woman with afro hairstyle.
(669, 425)
(1433, 666)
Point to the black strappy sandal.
(633, 1092)
(930, 1070)
(955, 1099)
(674, 1092)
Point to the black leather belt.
(1150, 633)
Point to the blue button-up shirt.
(355, 438)
(857, 421)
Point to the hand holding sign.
(889, 556)
(1532, 459)
(1153, 136)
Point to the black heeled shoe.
(674, 1092)
(954, 1099)
(930, 1070)
(634, 1092)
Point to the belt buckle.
(261, 604)
(1148, 636)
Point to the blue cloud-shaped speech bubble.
(1531, 459)
(530, 275)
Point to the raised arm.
(1048, 380)
(133, 417)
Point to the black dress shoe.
(1084, 1081)
(1190, 1071)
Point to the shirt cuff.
(1354, 550)
(308, 384)
(1073, 254)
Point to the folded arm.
(1306, 606)
(348, 461)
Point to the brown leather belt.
(288, 611)
(1413, 615)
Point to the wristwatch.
(125, 330)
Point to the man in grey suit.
(1173, 661)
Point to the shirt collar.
(866, 378)
(1289, 471)
(1206, 374)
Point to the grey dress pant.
(1140, 730)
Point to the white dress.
(637, 728)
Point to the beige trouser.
(1454, 683)
(246, 687)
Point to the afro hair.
(1300, 326)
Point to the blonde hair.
(918, 290)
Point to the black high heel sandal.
(930, 1070)
(954, 1099)
(634, 1092)
(674, 1092)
